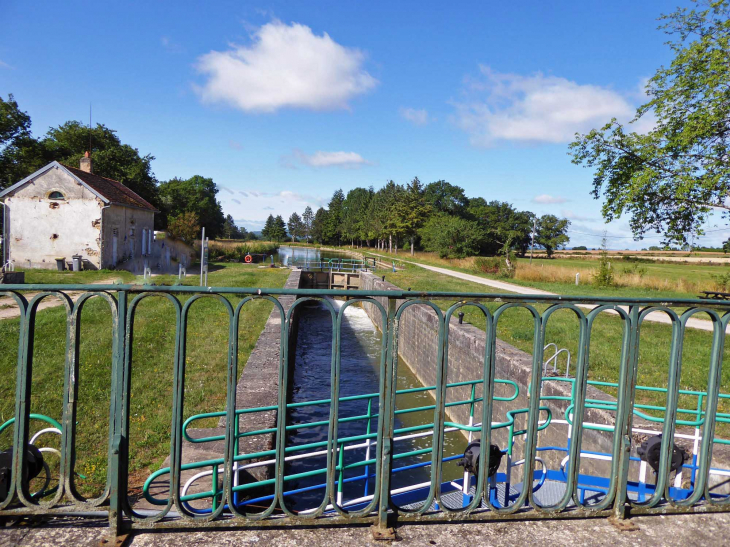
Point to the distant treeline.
(434, 217)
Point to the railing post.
(118, 461)
(381, 529)
(626, 413)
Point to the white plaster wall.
(129, 224)
(41, 229)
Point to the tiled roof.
(112, 190)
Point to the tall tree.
(505, 227)
(295, 226)
(268, 230)
(279, 231)
(230, 230)
(318, 225)
(551, 233)
(670, 178)
(446, 198)
(307, 219)
(354, 213)
(196, 194)
(412, 210)
(451, 236)
(333, 225)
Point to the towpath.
(693, 323)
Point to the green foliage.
(672, 177)
(551, 233)
(604, 275)
(332, 229)
(274, 229)
(444, 197)
(231, 231)
(318, 225)
(296, 227)
(502, 224)
(185, 227)
(496, 265)
(451, 237)
(634, 269)
(580, 248)
(307, 220)
(197, 195)
(722, 281)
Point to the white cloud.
(5, 65)
(417, 117)
(536, 108)
(285, 66)
(325, 159)
(547, 199)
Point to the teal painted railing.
(538, 409)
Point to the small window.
(56, 195)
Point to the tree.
(18, 149)
(451, 236)
(279, 230)
(230, 230)
(184, 227)
(318, 225)
(412, 210)
(355, 212)
(551, 233)
(504, 226)
(333, 225)
(672, 177)
(198, 195)
(295, 226)
(446, 198)
(307, 219)
(267, 232)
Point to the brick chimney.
(85, 163)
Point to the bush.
(722, 281)
(496, 265)
(635, 269)
(184, 227)
(604, 276)
(451, 237)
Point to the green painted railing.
(536, 408)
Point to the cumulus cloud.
(325, 159)
(547, 199)
(284, 66)
(417, 117)
(537, 108)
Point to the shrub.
(604, 275)
(184, 227)
(496, 265)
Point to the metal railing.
(233, 502)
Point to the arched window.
(56, 195)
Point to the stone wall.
(418, 349)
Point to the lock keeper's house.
(60, 211)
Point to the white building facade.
(60, 211)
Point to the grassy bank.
(152, 368)
(516, 328)
(231, 250)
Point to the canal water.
(290, 255)
(360, 350)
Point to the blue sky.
(284, 102)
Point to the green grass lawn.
(152, 366)
(516, 327)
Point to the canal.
(360, 351)
(290, 255)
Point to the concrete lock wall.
(41, 229)
(418, 348)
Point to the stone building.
(60, 211)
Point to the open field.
(152, 367)
(516, 328)
(632, 278)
